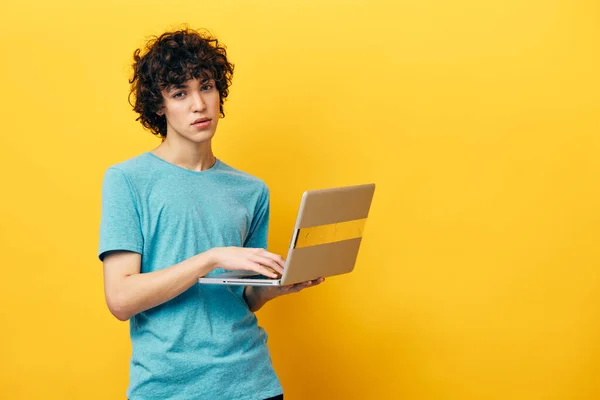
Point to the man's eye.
(207, 87)
(179, 94)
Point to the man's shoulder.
(134, 170)
(240, 175)
(131, 165)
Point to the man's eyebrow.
(175, 86)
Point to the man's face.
(191, 109)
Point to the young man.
(175, 214)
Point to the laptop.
(325, 241)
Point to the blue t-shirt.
(204, 343)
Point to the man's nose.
(198, 103)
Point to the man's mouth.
(200, 120)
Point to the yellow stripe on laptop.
(322, 234)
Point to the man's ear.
(161, 112)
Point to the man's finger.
(269, 263)
(266, 271)
(275, 257)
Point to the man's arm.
(253, 299)
(128, 292)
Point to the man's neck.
(197, 158)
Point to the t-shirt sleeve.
(259, 228)
(120, 227)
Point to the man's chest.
(199, 212)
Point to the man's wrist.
(254, 298)
(207, 261)
(212, 257)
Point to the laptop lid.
(328, 232)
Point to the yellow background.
(478, 277)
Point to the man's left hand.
(257, 296)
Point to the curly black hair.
(174, 58)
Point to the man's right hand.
(248, 259)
